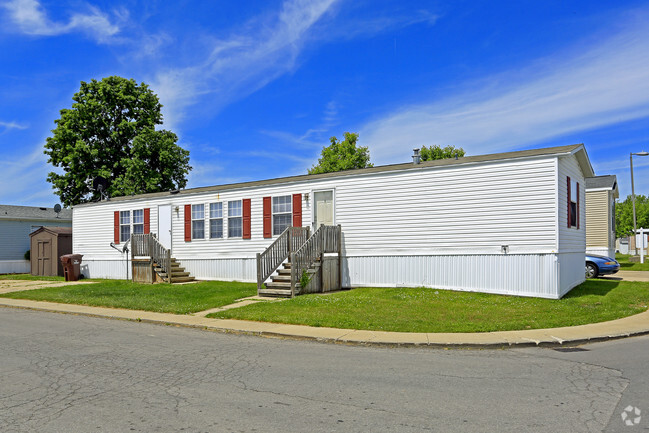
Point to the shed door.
(164, 225)
(324, 208)
(44, 257)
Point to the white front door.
(323, 209)
(164, 225)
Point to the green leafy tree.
(110, 132)
(342, 155)
(436, 152)
(624, 215)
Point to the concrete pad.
(642, 276)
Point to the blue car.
(600, 265)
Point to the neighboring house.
(16, 223)
(601, 192)
(509, 223)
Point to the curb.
(636, 325)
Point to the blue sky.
(254, 89)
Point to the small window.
(138, 221)
(282, 216)
(573, 203)
(235, 228)
(198, 221)
(216, 220)
(124, 225)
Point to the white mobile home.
(509, 223)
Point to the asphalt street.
(67, 373)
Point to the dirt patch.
(7, 286)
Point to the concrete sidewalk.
(626, 327)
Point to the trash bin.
(71, 266)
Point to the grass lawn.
(626, 265)
(165, 298)
(432, 310)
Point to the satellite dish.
(57, 209)
(100, 184)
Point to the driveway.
(642, 276)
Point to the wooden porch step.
(182, 279)
(280, 285)
(276, 293)
(281, 278)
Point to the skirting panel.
(15, 267)
(523, 275)
(231, 269)
(572, 270)
(115, 269)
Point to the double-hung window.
(235, 226)
(138, 221)
(216, 220)
(282, 215)
(198, 221)
(124, 225)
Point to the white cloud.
(30, 18)
(585, 88)
(26, 173)
(242, 63)
(6, 126)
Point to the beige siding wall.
(598, 219)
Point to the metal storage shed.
(48, 244)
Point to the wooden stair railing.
(290, 240)
(326, 239)
(148, 245)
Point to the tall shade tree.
(342, 155)
(624, 215)
(437, 152)
(110, 132)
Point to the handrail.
(148, 245)
(326, 239)
(268, 261)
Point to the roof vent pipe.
(416, 157)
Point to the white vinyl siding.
(282, 214)
(570, 239)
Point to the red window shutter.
(188, 223)
(268, 220)
(569, 202)
(297, 210)
(147, 221)
(116, 227)
(246, 218)
(577, 207)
